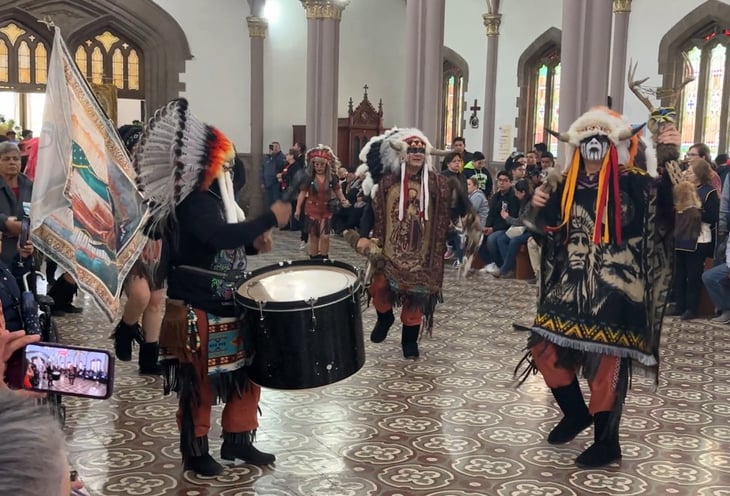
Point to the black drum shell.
(295, 351)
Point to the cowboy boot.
(380, 331)
(124, 334)
(148, 356)
(240, 445)
(197, 458)
(576, 416)
(409, 340)
(605, 448)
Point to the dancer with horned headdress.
(605, 272)
(408, 216)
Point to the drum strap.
(228, 276)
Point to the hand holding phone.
(68, 370)
(24, 231)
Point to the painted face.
(416, 152)
(594, 148)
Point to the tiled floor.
(449, 424)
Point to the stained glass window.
(4, 63)
(540, 108)
(689, 104)
(705, 100)
(97, 66)
(106, 57)
(546, 109)
(453, 105)
(41, 63)
(23, 57)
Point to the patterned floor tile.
(449, 424)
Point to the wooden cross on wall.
(474, 120)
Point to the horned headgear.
(600, 135)
(387, 153)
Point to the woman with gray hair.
(27, 430)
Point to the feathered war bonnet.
(623, 147)
(178, 154)
(386, 154)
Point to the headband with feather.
(386, 154)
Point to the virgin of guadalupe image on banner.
(86, 213)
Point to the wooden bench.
(523, 267)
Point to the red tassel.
(602, 205)
(615, 172)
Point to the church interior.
(498, 74)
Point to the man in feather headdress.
(408, 215)
(184, 170)
(605, 274)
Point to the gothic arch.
(547, 44)
(679, 38)
(456, 68)
(157, 33)
(670, 48)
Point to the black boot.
(124, 334)
(240, 445)
(148, 355)
(198, 459)
(605, 448)
(380, 331)
(409, 341)
(63, 293)
(576, 415)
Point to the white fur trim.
(650, 157)
(368, 185)
(596, 122)
(362, 170)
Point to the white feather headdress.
(177, 154)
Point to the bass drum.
(306, 321)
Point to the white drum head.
(297, 283)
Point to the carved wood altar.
(362, 123)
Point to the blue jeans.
(489, 252)
(273, 193)
(508, 249)
(718, 286)
(454, 239)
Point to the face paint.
(594, 148)
(416, 149)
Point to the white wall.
(217, 78)
(372, 51)
(464, 33)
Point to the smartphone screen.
(70, 370)
(24, 231)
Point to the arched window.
(23, 58)
(108, 58)
(705, 99)
(538, 77)
(455, 81)
(703, 37)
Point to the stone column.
(257, 27)
(492, 20)
(323, 60)
(424, 65)
(622, 12)
(584, 56)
